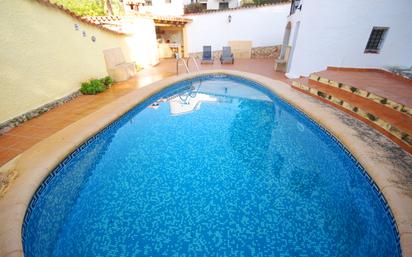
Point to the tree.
(194, 8)
(259, 2)
(109, 7)
(92, 7)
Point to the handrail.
(194, 61)
(177, 65)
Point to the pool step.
(395, 123)
(390, 103)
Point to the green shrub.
(138, 67)
(107, 81)
(248, 4)
(95, 86)
(92, 87)
(91, 7)
(259, 2)
(83, 7)
(194, 8)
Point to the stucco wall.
(335, 33)
(142, 44)
(264, 26)
(160, 7)
(214, 4)
(43, 58)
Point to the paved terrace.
(31, 132)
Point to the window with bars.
(223, 5)
(376, 39)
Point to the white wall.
(142, 44)
(214, 4)
(335, 33)
(160, 7)
(263, 25)
(186, 2)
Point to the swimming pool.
(215, 166)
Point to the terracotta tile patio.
(380, 83)
(19, 139)
(393, 123)
(399, 119)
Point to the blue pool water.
(215, 166)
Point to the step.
(390, 103)
(396, 123)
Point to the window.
(148, 3)
(223, 5)
(376, 39)
(168, 1)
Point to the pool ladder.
(186, 64)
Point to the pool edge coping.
(36, 163)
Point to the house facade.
(351, 33)
(155, 7)
(216, 4)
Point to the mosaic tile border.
(185, 83)
(393, 130)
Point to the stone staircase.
(390, 117)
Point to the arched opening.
(281, 63)
(286, 38)
(293, 46)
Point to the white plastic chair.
(116, 65)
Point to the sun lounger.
(227, 56)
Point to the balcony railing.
(296, 5)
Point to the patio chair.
(207, 57)
(227, 56)
(281, 63)
(116, 65)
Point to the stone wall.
(14, 122)
(266, 52)
(257, 52)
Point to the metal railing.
(194, 61)
(184, 64)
